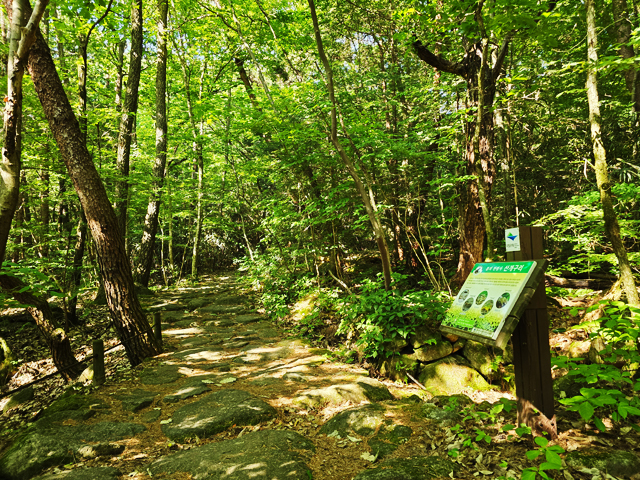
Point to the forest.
(358, 157)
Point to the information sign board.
(487, 298)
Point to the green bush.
(379, 316)
(617, 396)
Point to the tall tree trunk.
(129, 320)
(199, 166)
(21, 40)
(128, 118)
(623, 30)
(479, 143)
(147, 244)
(611, 226)
(372, 212)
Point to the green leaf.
(553, 457)
(533, 454)
(586, 411)
(599, 424)
(541, 441)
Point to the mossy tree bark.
(612, 228)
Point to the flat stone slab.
(137, 400)
(247, 319)
(166, 306)
(160, 375)
(262, 455)
(194, 342)
(360, 420)
(184, 331)
(222, 309)
(230, 299)
(268, 333)
(364, 389)
(44, 446)
(197, 303)
(211, 354)
(236, 344)
(96, 473)
(266, 353)
(191, 388)
(421, 468)
(215, 413)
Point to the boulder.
(388, 439)
(451, 376)
(579, 349)
(445, 417)
(362, 421)
(47, 444)
(429, 353)
(396, 366)
(424, 336)
(363, 390)
(215, 413)
(395, 345)
(262, 455)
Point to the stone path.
(233, 398)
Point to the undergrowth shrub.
(378, 316)
(612, 389)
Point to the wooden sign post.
(531, 351)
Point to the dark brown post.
(157, 327)
(99, 376)
(531, 351)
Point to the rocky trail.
(234, 398)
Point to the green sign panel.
(487, 297)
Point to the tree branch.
(29, 32)
(437, 61)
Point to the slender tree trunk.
(128, 119)
(378, 231)
(76, 270)
(199, 165)
(147, 244)
(623, 30)
(611, 226)
(119, 73)
(129, 320)
(56, 338)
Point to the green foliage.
(380, 316)
(552, 460)
(578, 229)
(616, 396)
